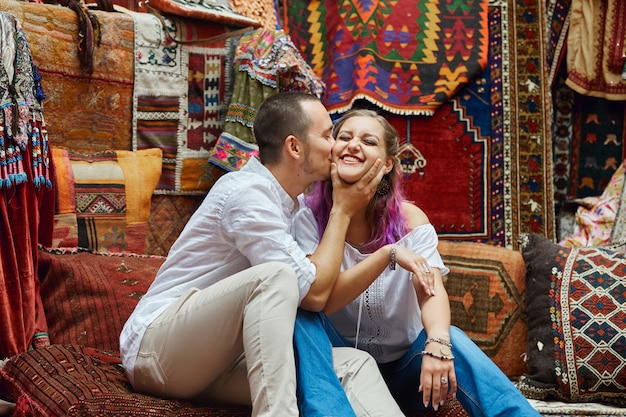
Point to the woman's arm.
(436, 321)
(352, 282)
(347, 200)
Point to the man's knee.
(280, 277)
(350, 361)
(280, 271)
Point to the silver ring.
(426, 269)
(444, 380)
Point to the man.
(217, 323)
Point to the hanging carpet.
(103, 96)
(407, 57)
(481, 165)
(179, 98)
(596, 51)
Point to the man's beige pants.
(195, 349)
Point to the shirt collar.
(290, 205)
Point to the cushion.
(168, 216)
(103, 200)
(576, 314)
(486, 287)
(87, 297)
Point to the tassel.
(4, 173)
(39, 93)
(21, 120)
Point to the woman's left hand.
(437, 378)
(417, 264)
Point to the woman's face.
(359, 143)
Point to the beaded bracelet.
(392, 258)
(434, 355)
(438, 340)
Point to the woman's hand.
(350, 198)
(437, 378)
(418, 265)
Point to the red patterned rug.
(481, 164)
(597, 144)
(168, 216)
(86, 382)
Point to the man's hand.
(352, 198)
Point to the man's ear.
(293, 147)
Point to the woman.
(382, 302)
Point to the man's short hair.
(279, 116)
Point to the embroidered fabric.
(23, 135)
(266, 61)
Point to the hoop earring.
(383, 188)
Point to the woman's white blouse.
(390, 317)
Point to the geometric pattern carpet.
(488, 155)
(481, 164)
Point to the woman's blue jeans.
(482, 388)
(319, 390)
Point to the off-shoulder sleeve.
(424, 240)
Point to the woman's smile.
(351, 159)
(358, 144)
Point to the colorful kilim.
(100, 204)
(263, 11)
(217, 13)
(75, 381)
(179, 99)
(98, 292)
(407, 57)
(597, 144)
(554, 408)
(104, 199)
(576, 329)
(502, 177)
(558, 19)
(80, 381)
(168, 215)
(266, 62)
(458, 140)
(486, 287)
(595, 48)
(562, 136)
(520, 166)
